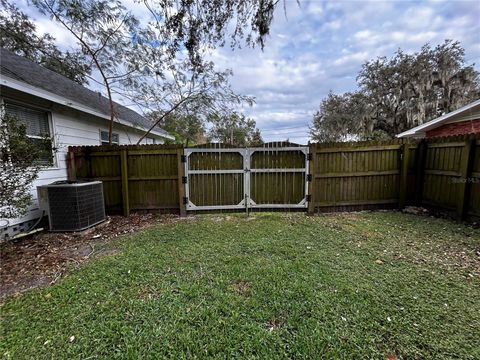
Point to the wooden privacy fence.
(440, 173)
(355, 175)
(449, 170)
(135, 177)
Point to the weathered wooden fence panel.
(450, 180)
(442, 174)
(411, 177)
(102, 164)
(355, 175)
(153, 179)
(135, 177)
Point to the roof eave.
(414, 135)
(432, 124)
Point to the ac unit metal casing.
(72, 206)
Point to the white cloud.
(354, 58)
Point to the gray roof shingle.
(25, 70)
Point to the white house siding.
(70, 128)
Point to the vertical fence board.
(181, 187)
(466, 166)
(124, 171)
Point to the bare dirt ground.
(41, 259)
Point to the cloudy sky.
(320, 45)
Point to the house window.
(104, 138)
(37, 128)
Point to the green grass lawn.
(377, 285)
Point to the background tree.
(399, 93)
(183, 93)
(235, 129)
(188, 129)
(133, 60)
(19, 35)
(195, 25)
(338, 118)
(256, 138)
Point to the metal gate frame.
(246, 153)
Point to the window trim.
(51, 128)
(106, 131)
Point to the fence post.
(311, 183)
(181, 185)
(466, 164)
(420, 162)
(405, 158)
(71, 166)
(124, 167)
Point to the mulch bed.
(42, 258)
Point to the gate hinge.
(309, 156)
(184, 158)
(308, 198)
(185, 200)
(184, 179)
(309, 177)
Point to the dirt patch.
(147, 293)
(448, 256)
(42, 258)
(242, 287)
(275, 324)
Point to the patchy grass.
(41, 259)
(379, 285)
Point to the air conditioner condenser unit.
(72, 206)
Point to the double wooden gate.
(235, 178)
